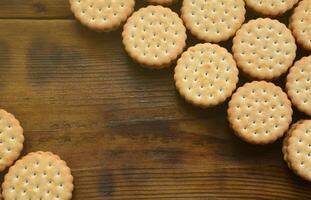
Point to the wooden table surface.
(123, 130)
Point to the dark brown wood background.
(123, 130)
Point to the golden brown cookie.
(271, 7)
(264, 49)
(11, 139)
(298, 149)
(285, 141)
(38, 175)
(300, 24)
(298, 85)
(213, 20)
(259, 112)
(206, 75)
(102, 15)
(154, 36)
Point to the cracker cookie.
(102, 15)
(162, 2)
(213, 20)
(154, 36)
(298, 85)
(264, 48)
(271, 7)
(206, 75)
(297, 150)
(11, 139)
(300, 23)
(259, 112)
(285, 140)
(38, 175)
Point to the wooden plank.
(34, 9)
(39, 9)
(124, 130)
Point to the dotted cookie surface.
(259, 112)
(11, 139)
(162, 2)
(298, 85)
(264, 48)
(154, 36)
(271, 7)
(206, 75)
(300, 23)
(285, 141)
(213, 20)
(298, 149)
(102, 15)
(38, 176)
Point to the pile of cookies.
(38, 175)
(207, 74)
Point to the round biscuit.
(271, 7)
(206, 75)
(264, 49)
(259, 112)
(38, 175)
(285, 141)
(298, 85)
(154, 36)
(299, 149)
(213, 20)
(102, 15)
(162, 2)
(300, 23)
(11, 139)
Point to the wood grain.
(34, 9)
(124, 130)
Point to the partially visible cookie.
(102, 15)
(298, 149)
(259, 112)
(264, 49)
(38, 175)
(271, 7)
(285, 141)
(11, 139)
(206, 75)
(298, 85)
(154, 36)
(213, 20)
(300, 24)
(162, 2)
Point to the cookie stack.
(206, 74)
(38, 175)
